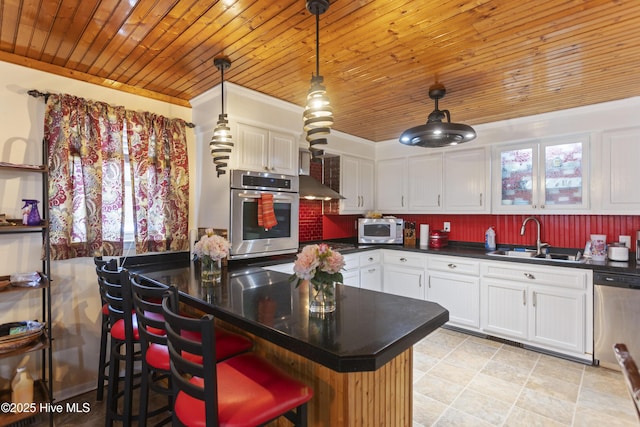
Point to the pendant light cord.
(222, 86)
(317, 43)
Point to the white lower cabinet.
(558, 319)
(504, 309)
(404, 273)
(351, 273)
(546, 307)
(371, 270)
(454, 283)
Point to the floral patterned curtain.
(86, 179)
(84, 140)
(159, 171)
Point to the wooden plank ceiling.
(498, 59)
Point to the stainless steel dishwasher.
(616, 315)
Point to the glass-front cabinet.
(543, 176)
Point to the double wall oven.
(249, 239)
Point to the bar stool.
(124, 339)
(104, 330)
(630, 373)
(147, 302)
(243, 390)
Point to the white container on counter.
(618, 252)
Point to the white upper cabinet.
(266, 150)
(542, 176)
(391, 186)
(425, 183)
(356, 184)
(449, 181)
(466, 181)
(620, 171)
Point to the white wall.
(75, 299)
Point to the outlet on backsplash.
(447, 226)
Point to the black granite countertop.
(471, 250)
(367, 330)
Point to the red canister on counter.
(438, 239)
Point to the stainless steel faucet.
(539, 244)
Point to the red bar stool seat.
(244, 390)
(147, 298)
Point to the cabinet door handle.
(429, 282)
(534, 206)
(371, 270)
(403, 259)
(370, 258)
(361, 200)
(452, 266)
(480, 199)
(534, 299)
(541, 206)
(438, 200)
(266, 168)
(420, 281)
(524, 297)
(530, 276)
(402, 201)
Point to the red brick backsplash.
(566, 231)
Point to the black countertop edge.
(342, 364)
(338, 361)
(468, 250)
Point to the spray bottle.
(30, 214)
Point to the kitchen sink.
(531, 254)
(526, 253)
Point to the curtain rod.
(37, 94)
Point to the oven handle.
(257, 196)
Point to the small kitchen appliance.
(380, 231)
(618, 252)
(439, 239)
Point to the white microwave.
(380, 230)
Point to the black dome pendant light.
(436, 133)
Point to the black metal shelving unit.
(43, 387)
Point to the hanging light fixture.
(318, 114)
(436, 133)
(221, 144)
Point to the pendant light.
(436, 133)
(221, 144)
(318, 114)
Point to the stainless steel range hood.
(311, 188)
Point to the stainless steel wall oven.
(249, 239)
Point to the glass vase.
(322, 298)
(210, 271)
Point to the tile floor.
(462, 380)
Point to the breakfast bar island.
(358, 359)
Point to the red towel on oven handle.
(266, 214)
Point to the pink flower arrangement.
(212, 246)
(319, 264)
